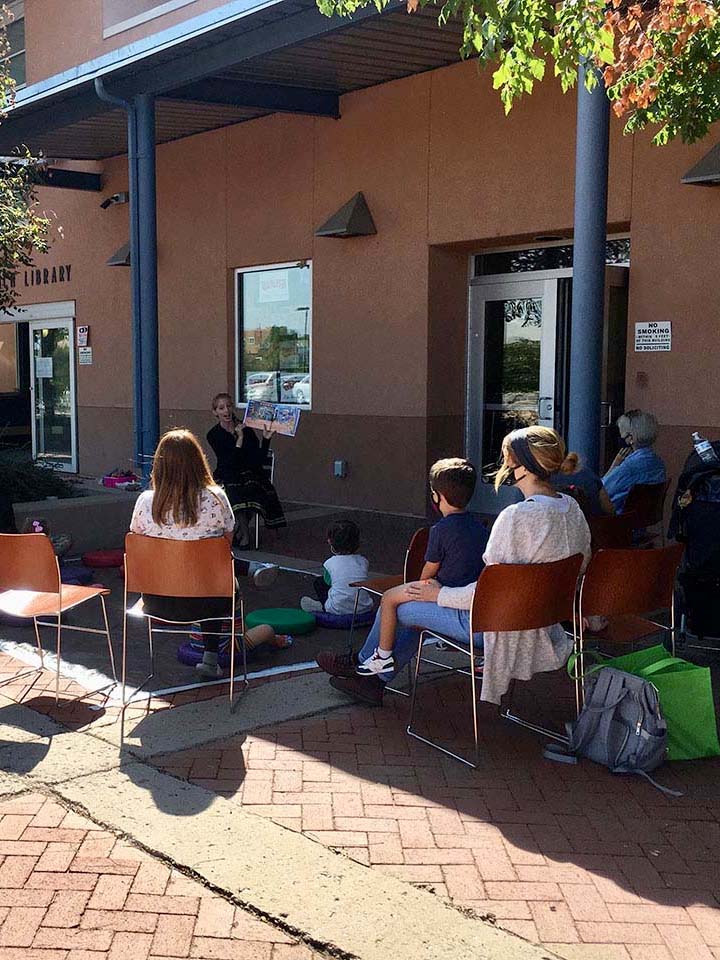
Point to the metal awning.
(241, 61)
(705, 173)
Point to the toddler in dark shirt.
(454, 555)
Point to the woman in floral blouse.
(185, 503)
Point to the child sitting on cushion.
(345, 566)
(453, 556)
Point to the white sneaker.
(311, 606)
(265, 575)
(208, 671)
(376, 665)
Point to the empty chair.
(31, 587)
(412, 568)
(646, 501)
(180, 569)
(624, 586)
(612, 531)
(508, 598)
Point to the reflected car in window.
(301, 390)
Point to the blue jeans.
(414, 616)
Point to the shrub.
(21, 479)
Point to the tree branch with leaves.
(24, 232)
(659, 59)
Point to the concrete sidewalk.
(106, 856)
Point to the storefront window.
(544, 258)
(8, 358)
(273, 333)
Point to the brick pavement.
(590, 864)
(72, 891)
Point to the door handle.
(608, 404)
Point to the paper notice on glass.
(44, 368)
(274, 286)
(282, 418)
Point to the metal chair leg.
(109, 640)
(352, 623)
(41, 652)
(507, 714)
(57, 664)
(413, 699)
(124, 673)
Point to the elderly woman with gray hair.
(636, 462)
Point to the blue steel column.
(144, 108)
(135, 288)
(135, 281)
(588, 295)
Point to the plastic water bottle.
(704, 449)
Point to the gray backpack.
(620, 726)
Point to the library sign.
(42, 276)
(653, 337)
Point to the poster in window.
(273, 287)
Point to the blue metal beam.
(144, 108)
(588, 300)
(265, 96)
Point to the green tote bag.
(686, 700)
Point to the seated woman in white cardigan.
(544, 527)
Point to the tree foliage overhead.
(23, 232)
(660, 59)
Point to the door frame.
(52, 316)
(540, 284)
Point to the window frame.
(239, 370)
(159, 10)
(17, 11)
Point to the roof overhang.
(705, 173)
(243, 60)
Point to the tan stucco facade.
(445, 173)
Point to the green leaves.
(23, 232)
(661, 58)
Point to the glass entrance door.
(54, 429)
(511, 372)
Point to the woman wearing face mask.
(544, 527)
(636, 462)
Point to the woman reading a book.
(241, 459)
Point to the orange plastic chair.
(508, 597)
(30, 587)
(179, 568)
(624, 586)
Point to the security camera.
(115, 198)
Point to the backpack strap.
(559, 752)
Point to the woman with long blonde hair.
(544, 527)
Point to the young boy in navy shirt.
(453, 557)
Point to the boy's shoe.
(337, 664)
(376, 666)
(265, 575)
(208, 671)
(368, 689)
(311, 606)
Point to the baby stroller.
(695, 521)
